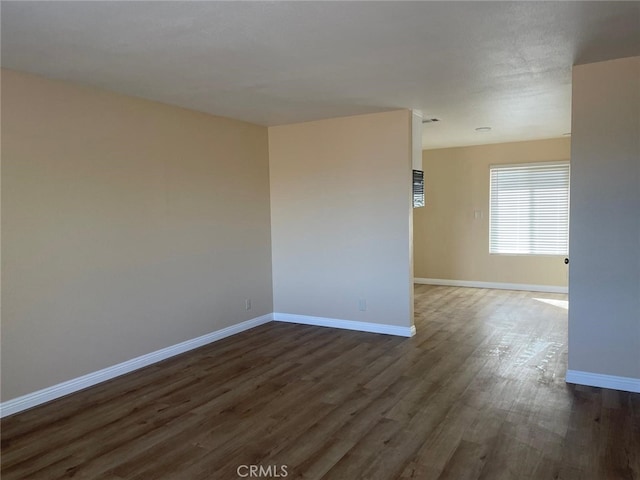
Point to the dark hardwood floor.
(478, 393)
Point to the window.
(529, 209)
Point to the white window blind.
(529, 209)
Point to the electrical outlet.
(362, 305)
(247, 304)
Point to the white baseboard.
(56, 391)
(500, 286)
(346, 324)
(39, 397)
(626, 384)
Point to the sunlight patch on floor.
(556, 303)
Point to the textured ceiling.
(471, 64)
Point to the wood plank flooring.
(478, 393)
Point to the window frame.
(565, 162)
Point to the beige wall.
(127, 226)
(449, 242)
(604, 288)
(340, 218)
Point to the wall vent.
(418, 188)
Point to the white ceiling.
(471, 64)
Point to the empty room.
(320, 240)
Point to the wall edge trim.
(33, 399)
(346, 324)
(497, 285)
(53, 392)
(626, 384)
